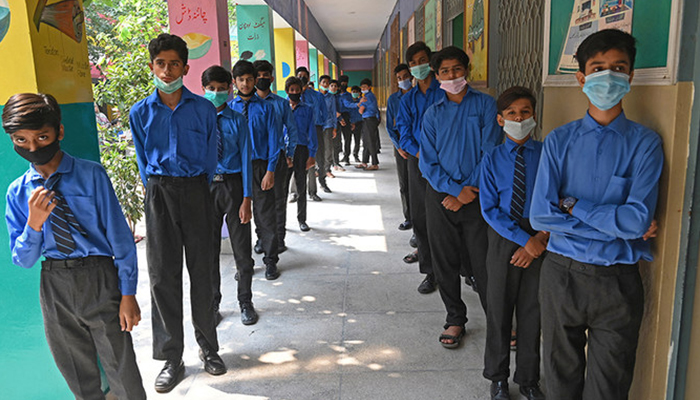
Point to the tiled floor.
(344, 321)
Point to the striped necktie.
(517, 203)
(245, 109)
(219, 139)
(62, 218)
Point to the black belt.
(178, 179)
(226, 177)
(592, 269)
(85, 262)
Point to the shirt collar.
(269, 96)
(227, 112)
(442, 97)
(64, 167)
(253, 98)
(186, 95)
(511, 146)
(619, 125)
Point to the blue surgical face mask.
(355, 95)
(519, 130)
(421, 71)
(606, 88)
(405, 84)
(218, 98)
(168, 88)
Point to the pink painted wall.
(326, 67)
(302, 53)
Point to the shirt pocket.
(617, 190)
(84, 209)
(193, 145)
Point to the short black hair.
(243, 67)
(416, 48)
(216, 73)
(510, 95)
(166, 41)
(322, 77)
(366, 81)
(31, 111)
(344, 78)
(262, 66)
(449, 53)
(292, 80)
(401, 67)
(355, 89)
(601, 42)
(334, 81)
(301, 69)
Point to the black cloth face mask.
(41, 155)
(263, 84)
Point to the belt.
(592, 269)
(85, 262)
(226, 177)
(178, 179)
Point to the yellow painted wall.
(321, 65)
(665, 109)
(285, 56)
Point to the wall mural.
(4, 18)
(66, 16)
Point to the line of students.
(559, 226)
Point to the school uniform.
(509, 288)
(345, 99)
(355, 118)
(408, 122)
(316, 101)
(328, 127)
(266, 143)
(370, 128)
(392, 108)
(233, 181)
(590, 287)
(454, 139)
(81, 287)
(176, 154)
(306, 147)
(287, 131)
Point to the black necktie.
(62, 218)
(517, 203)
(219, 139)
(245, 109)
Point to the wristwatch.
(567, 204)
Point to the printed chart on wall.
(590, 16)
(477, 47)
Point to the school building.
(510, 42)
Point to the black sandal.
(411, 258)
(456, 340)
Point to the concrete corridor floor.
(344, 321)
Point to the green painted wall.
(357, 76)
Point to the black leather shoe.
(171, 374)
(315, 197)
(281, 248)
(271, 272)
(413, 242)
(405, 225)
(293, 198)
(327, 189)
(532, 392)
(428, 285)
(248, 314)
(213, 364)
(218, 317)
(258, 248)
(304, 227)
(499, 390)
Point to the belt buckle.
(218, 178)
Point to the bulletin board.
(655, 25)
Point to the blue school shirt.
(180, 142)
(265, 139)
(316, 101)
(371, 107)
(496, 187)
(455, 138)
(88, 191)
(410, 116)
(392, 108)
(344, 98)
(285, 123)
(236, 154)
(614, 172)
(331, 117)
(304, 117)
(349, 103)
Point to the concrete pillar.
(285, 57)
(302, 53)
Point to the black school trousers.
(180, 213)
(80, 303)
(448, 232)
(228, 197)
(512, 289)
(589, 305)
(402, 172)
(299, 173)
(370, 140)
(265, 214)
(417, 187)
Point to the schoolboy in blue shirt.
(369, 109)
(329, 130)
(515, 250)
(334, 89)
(174, 135)
(408, 122)
(287, 131)
(65, 209)
(231, 190)
(596, 192)
(345, 99)
(317, 102)
(266, 144)
(305, 155)
(355, 123)
(457, 131)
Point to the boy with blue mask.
(515, 250)
(355, 123)
(344, 100)
(175, 138)
(231, 190)
(65, 209)
(329, 125)
(596, 193)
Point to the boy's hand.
(521, 258)
(534, 247)
(40, 207)
(244, 213)
(468, 194)
(290, 162)
(452, 203)
(362, 100)
(651, 233)
(403, 154)
(342, 122)
(268, 181)
(352, 126)
(129, 313)
(542, 236)
(310, 162)
(335, 133)
(361, 109)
